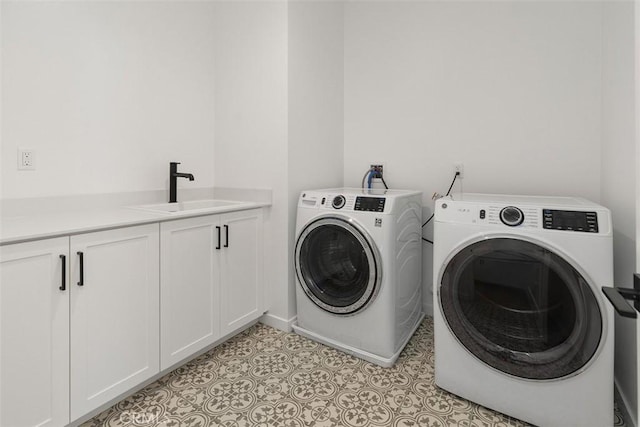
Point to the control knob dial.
(338, 202)
(511, 216)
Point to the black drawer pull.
(63, 284)
(218, 230)
(226, 234)
(81, 282)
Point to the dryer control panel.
(517, 212)
(570, 220)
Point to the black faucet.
(173, 177)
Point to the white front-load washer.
(358, 262)
(520, 322)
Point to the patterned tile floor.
(269, 378)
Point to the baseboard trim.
(277, 322)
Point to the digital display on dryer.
(369, 204)
(570, 220)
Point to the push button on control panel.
(483, 214)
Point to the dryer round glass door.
(337, 265)
(521, 308)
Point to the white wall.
(106, 93)
(251, 122)
(315, 105)
(512, 89)
(618, 177)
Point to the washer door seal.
(337, 264)
(521, 308)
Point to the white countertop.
(31, 225)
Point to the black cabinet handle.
(218, 230)
(226, 234)
(81, 282)
(63, 283)
(617, 298)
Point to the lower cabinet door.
(34, 333)
(241, 271)
(114, 314)
(190, 318)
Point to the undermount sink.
(190, 206)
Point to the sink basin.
(190, 206)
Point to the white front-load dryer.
(358, 262)
(520, 322)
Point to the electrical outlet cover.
(459, 167)
(26, 159)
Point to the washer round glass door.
(521, 308)
(337, 265)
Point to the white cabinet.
(211, 272)
(82, 321)
(34, 333)
(189, 287)
(114, 314)
(66, 350)
(241, 269)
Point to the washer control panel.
(369, 204)
(585, 221)
(346, 202)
